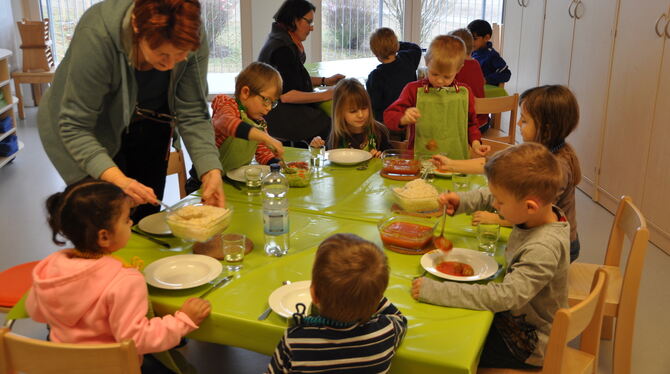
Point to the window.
(442, 16)
(221, 19)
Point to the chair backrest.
(502, 104)
(495, 145)
(177, 166)
(36, 45)
(584, 318)
(26, 355)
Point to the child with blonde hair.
(523, 183)
(439, 110)
(548, 115)
(353, 123)
(87, 296)
(349, 278)
(240, 131)
(399, 61)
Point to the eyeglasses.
(268, 102)
(309, 21)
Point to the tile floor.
(25, 236)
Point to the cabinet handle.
(577, 7)
(525, 3)
(570, 13)
(667, 31)
(660, 34)
(519, 2)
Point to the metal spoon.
(440, 241)
(167, 207)
(267, 311)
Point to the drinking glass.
(488, 235)
(461, 182)
(252, 176)
(317, 156)
(233, 247)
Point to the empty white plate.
(283, 299)
(483, 265)
(348, 156)
(238, 174)
(155, 224)
(182, 271)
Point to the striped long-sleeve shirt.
(320, 345)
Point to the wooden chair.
(177, 166)
(495, 145)
(622, 293)
(584, 318)
(497, 106)
(35, 79)
(26, 355)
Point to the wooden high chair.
(622, 292)
(584, 318)
(26, 355)
(499, 105)
(177, 166)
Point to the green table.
(342, 199)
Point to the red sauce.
(455, 268)
(406, 235)
(443, 243)
(298, 165)
(401, 166)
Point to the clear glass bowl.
(406, 232)
(302, 175)
(399, 162)
(415, 204)
(194, 221)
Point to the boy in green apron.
(439, 111)
(239, 128)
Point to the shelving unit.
(8, 109)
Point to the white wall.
(8, 33)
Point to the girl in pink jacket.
(85, 295)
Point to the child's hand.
(275, 146)
(196, 309)
(376, 153)
(416, 287)
(411, 116)
(317, 142)
(480, 149)
(441, 162)
(451, 200)
(485, 217)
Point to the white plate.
(348, 156)
(155, 224)
(182, 271)
(483, 265)
(443, 173)
(238, 174)
(283, 299)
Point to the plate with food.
(459, 264)
(443, 173)
(297, 174)
(283, 299)
(238, 174)
(348, 156)
(182, 271)
(155, 224)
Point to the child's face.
(441, 78)
(258, 104)
(479, 41)
(121, 229)
(514, 210)
(356, 118)
(527, 126)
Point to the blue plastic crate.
(6, 124)
(9, 146)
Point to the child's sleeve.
(32, 309)
(395, 111)
(472, 201)
(264, 155)
(397, 318)
(226, 120)
(525, 278)
(376, 92)
(500, 72)
(128, 304)
(412, 52)
(281, 359)
(473, 123)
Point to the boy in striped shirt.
(357, 330)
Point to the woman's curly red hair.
(168, 21)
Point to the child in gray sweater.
(523, 183)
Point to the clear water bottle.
(275, 212)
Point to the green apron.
(235, 152)
(443, 126)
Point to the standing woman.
(297, 117)
(134, 72)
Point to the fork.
(267, 311)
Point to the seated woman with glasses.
(297, 117)
(240, 131)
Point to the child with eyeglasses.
(240, 130)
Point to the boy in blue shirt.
(493, 66)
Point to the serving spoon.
(441, 242)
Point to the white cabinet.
(7, 103)
(522, 33)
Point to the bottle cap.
(275, 167)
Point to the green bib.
(443, 126)
(236, 152)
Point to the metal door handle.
(660, 34)
(519, 2)
(570, 13)
(577, 7)
(525, 3)
(667, 32)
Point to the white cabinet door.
(530, 50)
(657, 183)
(513, 12)
(632, 95)
(557, 42)
(589, 78)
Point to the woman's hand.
(411, 116)
(317, 142)
(333, 79)
(212, 189)
(480, 149)
(416, 287)
(376, 153)
(140, 193)
(451, 200)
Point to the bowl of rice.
(416, 196)
(194, 221)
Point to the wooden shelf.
(8, 133)
(10, 105)
(5, 160)
(4, 83)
